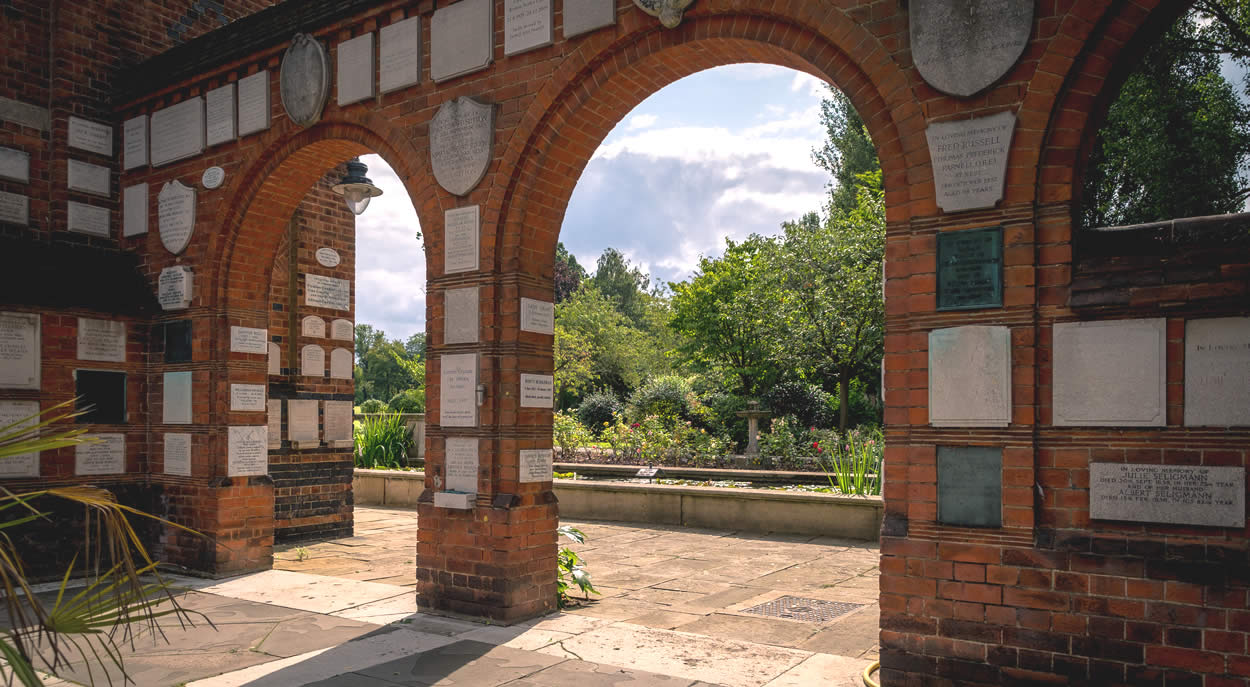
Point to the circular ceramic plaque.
(328, 257)
(213, 176)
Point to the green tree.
(366, 338)
(621, 356)
(569, 275)
(622, 283)
(848, 151)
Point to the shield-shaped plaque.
(462, 136)
(667, 11)
(962, 46)
(175, 208)
(305, 79)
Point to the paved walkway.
(673, 611)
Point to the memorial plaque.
(107, 456)
(301, 422)
(460, 316)
(248, 452)
(254, 103)
(304, 79)
(458, 390)
(90, 136)
(213, 177)
(135, 210)
(461, 464)
(19, 350)
(342, 330)
(178, 454)
(88, 178)
(461, 39)
(536, 465)
(969, 160)
(462, 138)
(1173, 494)
(25, 114)
(962, 47)
(101, 340)
(220, 110)
(178, 131)
(275, 359)
(1110, 373)
(249, 340)
(669, 12)
(312, 361)
(400, 54)
(328, 257)
(338, 423)
(88, 219)
(970, 486)
(275, 423)
(177, 336)
(24, 464)
(538, 316)
(247, 397)
(175, 210)
(584, 16)
(14, 165)
(14, 208)
(135, 142)
(526, 25)
(537, 391)
(313, 326)
(356, 70)
(454, 499)
(340, 364)
(176, 398)
(327, 292)
(175, 288)
(102, 394)
(970, 377)
(1217, 372)
(461, 231)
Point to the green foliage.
(781, 442)
(374, 405)
(623, 284)
(570, 569)
(852, 463)
(597, 346)
(808, 404)
(385, 369)
(668, 396)
(569, 275)
(569, 434)
(848, 151)
(408, 401)
(382, 441)
(597, 411)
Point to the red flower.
(634, 426)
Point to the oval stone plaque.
(667, 11)
(176, 213)
(305, 79)
(213, 176)
(962, 46)
(328, 257)
(462, 136)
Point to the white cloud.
(390, 261)
(804, 82)
(640, 121)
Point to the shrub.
(597, 411)
(408, 401)
(383, 441)
(808, 404)
(720, 420)
(374, 405)
(568, 434)
(862, 409)
(781, 442)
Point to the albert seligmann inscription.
(1175, 494)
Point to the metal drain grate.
(798, 608)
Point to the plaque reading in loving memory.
(342, 330)
(101, 340)
(1217, 372)
(135, 210)
(327, 292)
(970, 269)
(178, 131)
(254, 103)
(355, 63)
(313, 327)
(537, 391)
(312, 361)
(24, 464)
(14, 208)
(219, 104)
(460, 315)
(178, 454)
(135, 142)
(88, 135)
(970, 486)
(535, 465)
(1110, 373)
(249, 340)
(461, 464)
(340, 364)
(461, 38)
(175, 288)
(1176, 494)
(107, 456)
(400, 54)
(248, 452)
(584, 16)
(88, 219)
(247, 397)
(88, 178)
(14, 165)
(19, 350)
(458, 390)
(969, 160)
(461, 231)
(301, 424)
(176, 399)
(338, 422)
(526, 25)
(275, 423)
(538, 316)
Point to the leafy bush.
(374, 405)
(408, 401)
(569, 567)
(597, 411)
(383, 441)
(781, 442)
(808, 404)
(862, 410)
(568, 433)
(720, 419)
(668, 396)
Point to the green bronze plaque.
(970, 486)
(970, 269)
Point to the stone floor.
(673, 611)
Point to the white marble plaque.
(1175, 494)
(400, 54)
(1110, 373)
(220, 109)
(461, 464)
(312, 361)
(88, 135)
(342, 330)
(248, 452)
(178, 131)
(970, 377)
(19, 350)
(328, 257)
(327, 292)
(175, 212)
(970, 160)
(356, 71)
(135, 142)
(275, 359)
(462, 139)
(313, 326)
(538, 316)
(461, 38)
(247, 397)
(537, 391)
(14, 208)
(254, 103)
(178, 454)
(338, 422)
(275, 423)
(249, 340)
(24, 464)
(213, 177)
(462, 227)
(14, 164)
(301, 421)
(175, 289)
(176, 398)
(454, 499)
(961, 47)
(88, 219)
(1217, 372)
(526, 25)
(536, 465)
(88, 178)
(458, 390)
(460, 315)
(104, 457)
(101, 340)
(583, 16)
(135, 210)
(340, 364)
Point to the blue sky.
(720, 154)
